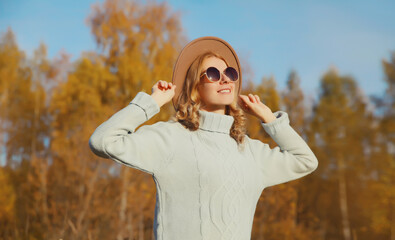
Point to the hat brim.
(195, 48)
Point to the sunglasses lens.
(232, 74)
(213, 74)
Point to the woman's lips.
(224, 91)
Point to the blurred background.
(67, 66)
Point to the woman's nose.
(224, 78)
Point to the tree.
(340, 132)
(293, 100)
(137, 45)
(382, 211)
(295, 193)
(7, 205)
(25, 129)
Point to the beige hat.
(195, 48)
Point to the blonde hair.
(189, 102)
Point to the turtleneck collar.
(215, 122)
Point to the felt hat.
(195, 48)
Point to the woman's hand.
(251, 104)
(163, 92)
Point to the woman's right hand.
(163, 92)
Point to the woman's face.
(215, 95)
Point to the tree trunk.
(141, 227)
(40, 163)
(343, 199)
(123, 204)
(295, 187)
(393, 221)
(130, 226)
(87, 202)
(322, 230)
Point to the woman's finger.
(245, 98)
(252, 98)
(164, 85)
(245, 101)
(248, 100)
(257, 98)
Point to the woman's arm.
(143, 149)
(292, 158)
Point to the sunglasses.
(214, 75)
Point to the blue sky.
(273, 37)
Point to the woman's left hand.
(251, 104)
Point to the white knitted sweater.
(207, 188)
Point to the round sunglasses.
(214, 75)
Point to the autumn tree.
(382, 206)
(341, 129)
(292, 201)
(24, 127)
(293, 102)
(7, 205)
(273, 209)
(137, 46)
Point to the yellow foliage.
(7, 197)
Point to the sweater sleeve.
(290, 160)
(117, 139)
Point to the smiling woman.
(208, 173)
(211, 91)
(215, 95)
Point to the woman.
(208, 173)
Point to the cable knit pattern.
(207, 188)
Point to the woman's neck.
(214, 109)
